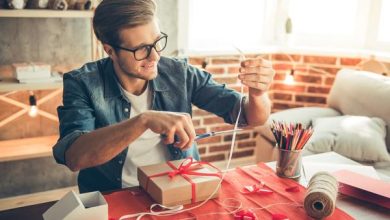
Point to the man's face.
(133, 38)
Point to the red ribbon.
(256, 189)
(187, 167)
(292, 189)
(279, 216)
(244, 215)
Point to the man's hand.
(170, 124)
(257, 74)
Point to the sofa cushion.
(362, 93)
(303, 115)
(358, 137)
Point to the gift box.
(75, 206)
(179, 182)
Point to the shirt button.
(126, 109)
(118, 179)
(120, 162)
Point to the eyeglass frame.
(151, 46)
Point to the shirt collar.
(111, 83)
(159, 84)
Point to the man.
(133, 108)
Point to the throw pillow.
(358, 137)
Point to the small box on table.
(179, 182)
(74, 206)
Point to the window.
(222, 25)
(322, 17)
(384, 22)
(331, 23)
(218, 26)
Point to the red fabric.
(136, 200)
(186, 168)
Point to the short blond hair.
(113, 15)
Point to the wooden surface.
(33, 212)
(27, 148)
(15, 123)
(13, 85)
(35, 198)
(354, 207)
(37, 13)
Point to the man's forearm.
(257, 109)
(99, 146)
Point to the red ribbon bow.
(244, 215)
(187, 167)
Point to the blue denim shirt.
(92, 99)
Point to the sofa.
(355, 123)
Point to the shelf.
(6, 86)
(27, 148)
(37, 13)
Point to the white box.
(74, 206)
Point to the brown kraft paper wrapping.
(177, 190)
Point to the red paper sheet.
(364, 187)
(291, 201)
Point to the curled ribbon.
(256, 189)
(187, 167)
(244, 215)
(279, 216)
(165, 210)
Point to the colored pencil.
(290, 136)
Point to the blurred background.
(307, 41)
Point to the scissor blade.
(227, 131)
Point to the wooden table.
(32, 212)
(354, 207)
(357, 209)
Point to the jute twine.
(320, 199)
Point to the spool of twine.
(320, 199)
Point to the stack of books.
(34, 73)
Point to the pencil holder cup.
(289, 163)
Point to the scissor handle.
(201, 136)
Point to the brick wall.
(225, 70)
(314, 76)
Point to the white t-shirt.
(146, 149)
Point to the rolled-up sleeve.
(216, 98)
(76, 116)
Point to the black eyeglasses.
(143, 52)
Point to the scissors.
(215, 133)
(209, 134)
